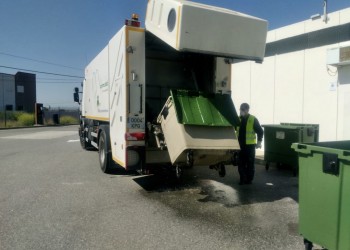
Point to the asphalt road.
(54, 196)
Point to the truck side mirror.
(76, 97)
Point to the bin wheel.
(178, 172)
(143, 169)
(190, 159)
(308, 244)
(267, 166)
(222, 170)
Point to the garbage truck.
(161, 95)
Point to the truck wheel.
(84, 144)
(103, 152)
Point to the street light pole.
(3, 96)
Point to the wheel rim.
(102, 151)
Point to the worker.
(247, 131)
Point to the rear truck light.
(134, 22)
(136, 136)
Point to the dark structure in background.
(39, 113)
(17, 92)
(25, 87)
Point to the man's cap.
(244, 106)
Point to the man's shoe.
(241, 183)
(248, 182)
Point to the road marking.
(43, 135)
(73, 140)
(72, 183)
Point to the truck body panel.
(117, 95)
(96, 94)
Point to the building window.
(20, 89)
(20, 108)
(9, 107)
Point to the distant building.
(17, 92)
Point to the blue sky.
(72, 32)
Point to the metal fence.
(50, 115)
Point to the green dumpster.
(324, 194)
(279, 138)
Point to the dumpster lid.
(282, 126)
(198, 108)
(340, 148)
(285, 125)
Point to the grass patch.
(10, 124)
(23, 119)
(26, 119)
(16, 119)
(67, 120)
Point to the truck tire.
(104, 151)
(84, 144)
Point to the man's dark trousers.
(246, 163)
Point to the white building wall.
(320, 100)
(296, 87)
(265, 90)
(344, 103)
(289, 70)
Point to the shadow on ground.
(267, 187)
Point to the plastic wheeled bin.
(279, 138)
(324, 194)
(199, 124)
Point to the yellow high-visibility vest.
(250, 133)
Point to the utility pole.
(3, 97)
